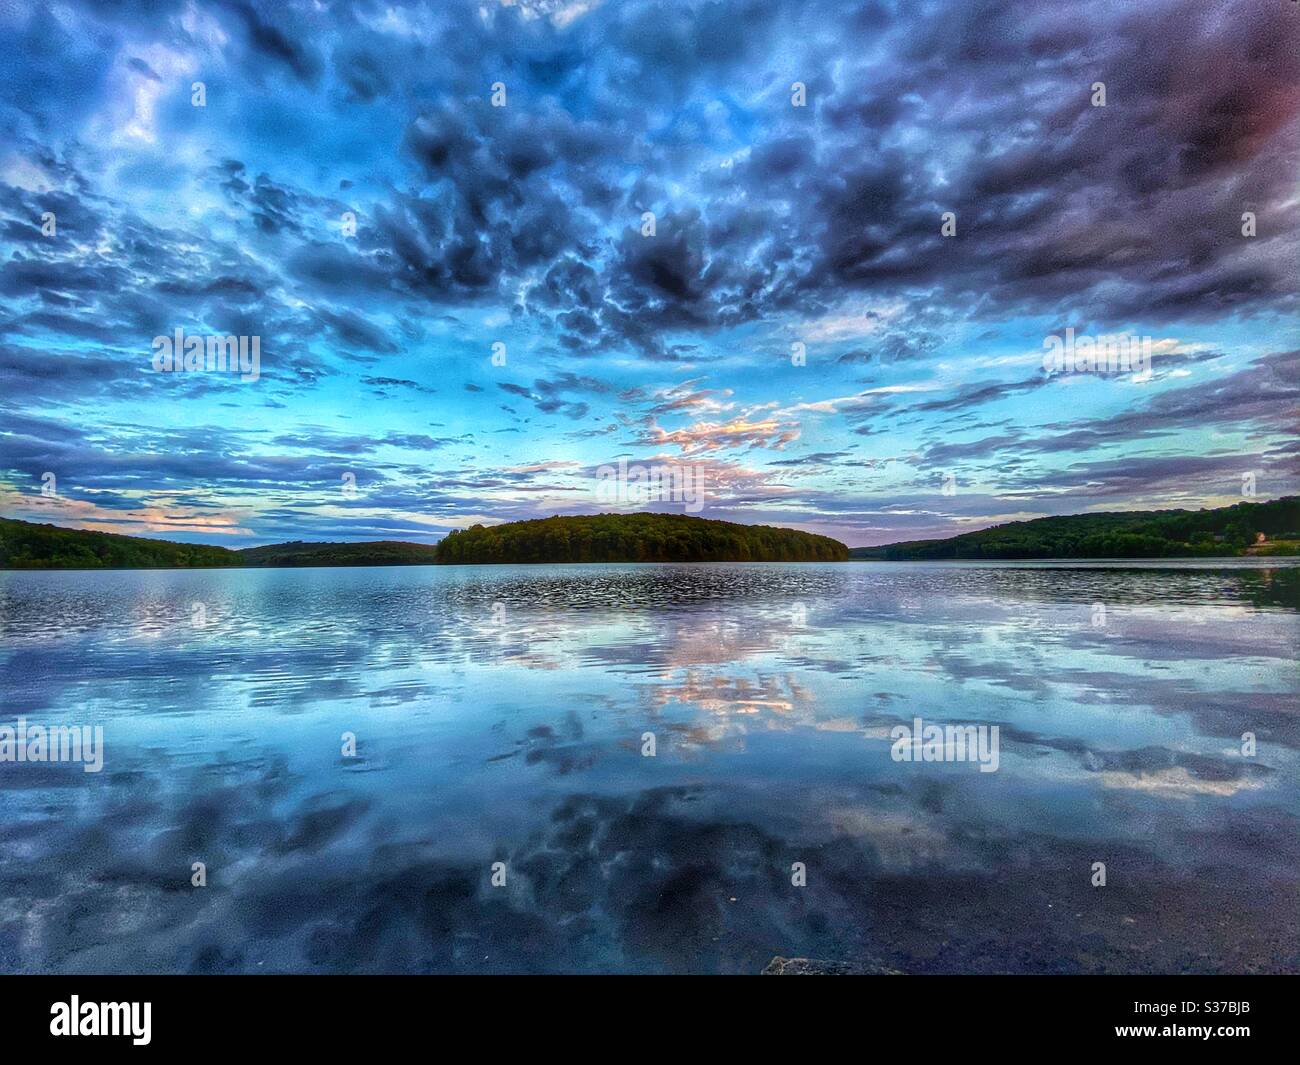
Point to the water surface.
(501, 716)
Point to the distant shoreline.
(1206, 561)
(598, 538)
(1243, 530)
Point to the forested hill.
(369, 553)
(603, 538)
(26, 545)
(1224, 532)
(636, 537)
(643, 537)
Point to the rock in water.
(779, 966)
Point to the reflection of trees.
(1272, 587)
(1129, 584)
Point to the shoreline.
(1200, 560)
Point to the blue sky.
(774, 225)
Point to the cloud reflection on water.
(516, 737)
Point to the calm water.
(499, 713)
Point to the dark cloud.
(767, 219)
(270, 41)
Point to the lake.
(655, 768)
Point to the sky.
(811, 252)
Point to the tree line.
(1224, 532)
(639, 537)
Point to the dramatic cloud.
(528, 238)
